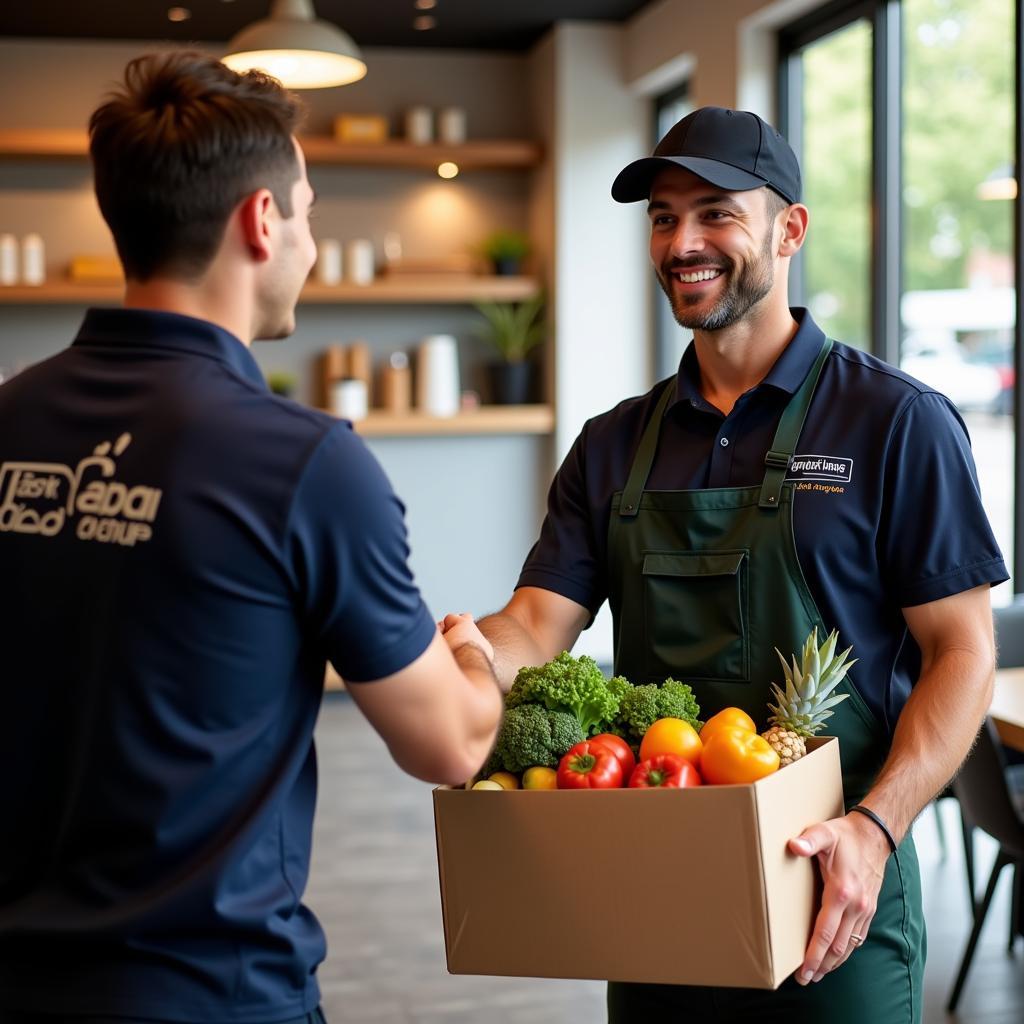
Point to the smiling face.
(713, 251)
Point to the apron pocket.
(695, 610)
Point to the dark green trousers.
(881, 983)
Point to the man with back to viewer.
(180, 553)
(721, 523)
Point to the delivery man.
(792, 482)
(180, 552)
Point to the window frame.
(887, 188)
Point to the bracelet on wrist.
(868, 813)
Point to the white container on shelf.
(437, 375)
(359, 261)
(328, 261)
(33, 260)
(350, 399)
(8, 260)
(451, 125)
(419, 125)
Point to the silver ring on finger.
(857, 940)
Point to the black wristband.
(867, 812)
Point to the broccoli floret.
(575, 685)
(532, 735)
(642, 706)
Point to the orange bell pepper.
(736, 755)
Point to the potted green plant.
(514, 329)
(506, 250)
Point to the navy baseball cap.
(733, 149)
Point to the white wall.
(591, 125)
(730, 42)
(601, 309)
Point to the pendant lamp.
(297, 48)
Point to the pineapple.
(802, 709)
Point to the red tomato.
(665, 770)
(589, 767)
(620, 748)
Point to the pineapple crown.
(808, 700)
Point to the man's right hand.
(461, 629)
(439, 715)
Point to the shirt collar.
(787, 374)
(151, 328)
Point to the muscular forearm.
(514, 646)
(933, 736)
(482, 710)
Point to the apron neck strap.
(776, 461)
(630, 503)
(788, 433)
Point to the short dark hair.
(775, 203)
(175, 149)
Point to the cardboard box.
(691, 886)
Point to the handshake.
(460, 630)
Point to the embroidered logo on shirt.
(42, 497)
(834, 468)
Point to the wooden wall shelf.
(489, 154)
(488, 419)
(409, 289)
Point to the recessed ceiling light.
(178, 14)
(447, 169)
(425, 5)
(424, 22)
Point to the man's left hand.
(851, 855)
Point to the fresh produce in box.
(589, 766)
(666, 770)
(620, 748)
(540, 778)
(671, 736)
(531, 735)
(573, 685)
(803, 708)
(727, 718)
(642, 706)
(504, 779)
(734, 755)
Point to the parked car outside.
(938, 360)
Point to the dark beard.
(741, 293)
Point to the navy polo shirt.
(887, 510)
(181, 551)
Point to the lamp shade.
(297, 48)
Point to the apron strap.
(630, 504)
(788, 433)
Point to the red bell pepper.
(589, 766)
(664, 770)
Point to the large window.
(903, 112)
(836, 268)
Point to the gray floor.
(374, 885)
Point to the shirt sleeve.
(569, 557)
(934, 536)
(349, 551)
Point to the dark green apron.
(703, 586)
